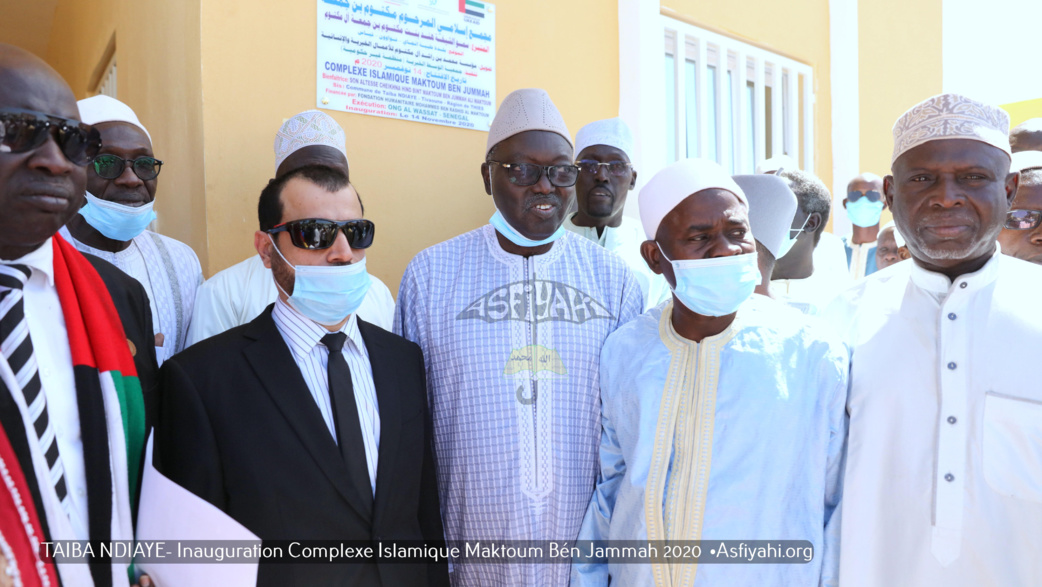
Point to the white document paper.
(171, 513)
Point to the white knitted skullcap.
(102, 108)
(613, 132)
(1025, 160)
(308, 128)
(773, 164)
(524, 110)
(951, 116)
(772, 206)
(675, 183)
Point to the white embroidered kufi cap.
(524, 110)
(308, 128)
(900, 240)
(613, 132)
(102, 108)
(675, 183)
(773, 164)
(772, 206)
(1025, 160)
(951, 116)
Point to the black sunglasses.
(525, 174)
(111, 166)
(870, 195)
(617, 168)
(24, 130)
(318, 233)
(1023, 219)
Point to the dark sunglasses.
(617, 168)
(525, 174)
(24, 130)
(318, 233)
(111, 166)
(871, 196)
(1023, 219)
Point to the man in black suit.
(308, 423)
(43, 152)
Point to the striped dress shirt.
(303, 336)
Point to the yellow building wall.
(420, 183)
(158, 75)
(1021, 111)
(795, 28)
(900, 66)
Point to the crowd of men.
(722, 368)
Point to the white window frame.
(764, 69)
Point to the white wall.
(991, 50)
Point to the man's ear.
(263, 244)
(888, 191)
(652, 256)
(633, 182)
(813, 223)
(1012, 183)
(486, 176)
(844, 203)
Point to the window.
(733, 102)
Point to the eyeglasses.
(871, 196)
(525, 174)
(1023, 219)
(617, 168)
(111, 166)
(25, 130)
(318, 233)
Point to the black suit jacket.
(239, 428)
(132, 305)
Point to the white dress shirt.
(304, 336)
(54, 359)
(943, 480)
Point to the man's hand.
(144, 581)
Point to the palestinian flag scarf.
(109, 398)
(20, 530)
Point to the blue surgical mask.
(864, 213)
(715, 287)
(503, 227)
(790, 240)
(118, 222)
(327, 294)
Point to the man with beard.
(605, 178)
(511, 318)
(943, 483)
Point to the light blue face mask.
(327, 294)
(790, 240)
(503, 227)
(864, 213)
(715, 287)
(118, 222)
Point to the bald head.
(866, 181)
(1026, 136)
(40, 189)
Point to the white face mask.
(715, 287)
(790, 241)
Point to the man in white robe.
(511, 318)
(944, 475)
(112, 224)
(723, 411)
(241, 292)
(604, 151)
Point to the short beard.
(282, 272)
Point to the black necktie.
(345, 416)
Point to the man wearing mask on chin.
(308, 423)
(864, 205)
(511, 318)
(121, 190)
(720, 419)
